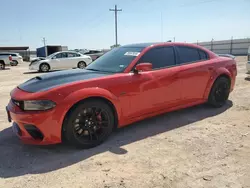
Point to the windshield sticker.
(132, 53)
(121, 66)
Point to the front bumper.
(33, 67)
(39, 128)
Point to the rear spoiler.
(226, 55)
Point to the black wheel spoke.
(91, 124)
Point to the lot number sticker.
(132, 53)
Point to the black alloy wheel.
(220, 92)
(89, 124)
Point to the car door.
(157, 89)
(195, 72)
(59, 61)
(72, 60)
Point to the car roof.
(156, 44)
(141, 45)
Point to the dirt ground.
(195, 147)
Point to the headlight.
(38, 105)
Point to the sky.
(90, 24)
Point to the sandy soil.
(195, 147)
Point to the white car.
(16, 57)
(248, 61)
(61, 60)
(5, 60)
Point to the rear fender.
(85, 93)
(217, 73)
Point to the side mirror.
(141, 67)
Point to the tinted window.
(61, 55)
(203, 55)
(72, 55)
(187, 54)
(159, 57)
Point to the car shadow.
(18, 159)
(247, 78)
(36, 72)
(6, 68)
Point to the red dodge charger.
(127, 84)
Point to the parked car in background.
(16, 57)
(5, 60)
(125, 85)
(61, 60)
(94, 54)
(227, 55)
(248, 61)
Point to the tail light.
(10, 58)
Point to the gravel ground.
(194, 147)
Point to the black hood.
(54, 79)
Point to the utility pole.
(44, 44)
(44, 41)
(115, 10)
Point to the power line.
(115, 10)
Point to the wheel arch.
(100, 98)
(224, 74)
(2, 61)
(46, 64)
(81, 61)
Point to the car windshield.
(116, 60)
(50, 56)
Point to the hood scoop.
(50, 80)
(38, 78)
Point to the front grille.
(20, 104)
(34, 132)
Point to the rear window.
(188, 54)
(203, 55)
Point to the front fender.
(214, 75)
(85, 93)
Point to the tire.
(219, 93)
(15, 63)
(2, 65)
(81, 65)
(88, 124)
(44, 67)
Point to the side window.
(72, 55)
(203, 55)
(159, 57)
(61, 55)
(187, 54)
